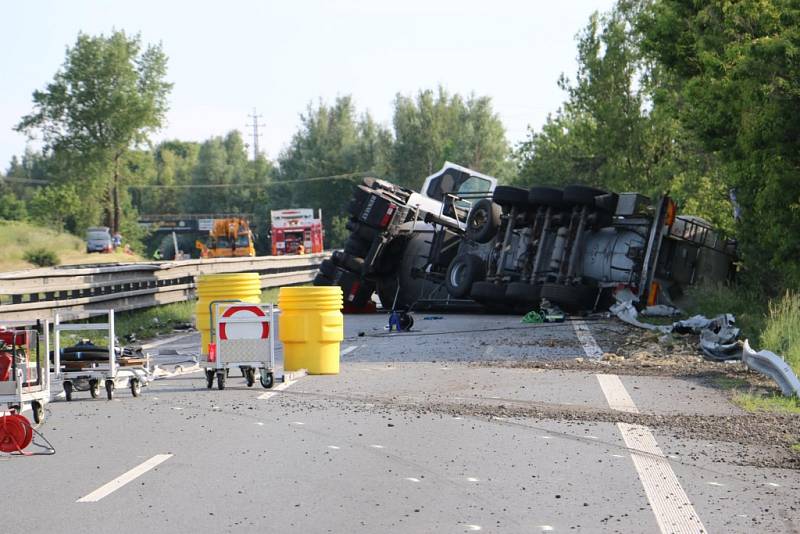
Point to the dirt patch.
(762, 440)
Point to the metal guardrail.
(78, 289)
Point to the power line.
(255, 116)
(240, 185)
(29, 181)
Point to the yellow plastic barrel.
(311, 326)
(230, 286)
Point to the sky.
(226, 58)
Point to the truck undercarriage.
(466, 242)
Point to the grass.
(726, 382)
(782, 332)
(796, 447)
(749, 307)
(772, 403)
(19, 238)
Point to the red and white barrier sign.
(244, 322)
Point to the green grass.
(18, 238)
(270, 295)
(773, 403)
(749, 307)
(796, 447)
(782, 332)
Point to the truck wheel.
(524, 293)
(483, 221)
(345, 260)
(488, 292)
(356, 247)
(582, 195)
(322, 280)
(360, 195)
(571, 298)
(507, 195)
(361, 230)
(463, 271)
(328, 268)
(546, 196)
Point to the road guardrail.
(78, 289)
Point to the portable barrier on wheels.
(25, 367)
(96, 366)
(242, 335)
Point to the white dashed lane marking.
(124, 478)
(590, 346)
(671, 506)
(349, 349)
(279, 387)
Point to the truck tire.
(346, 261)
(361, 230)
(328, 268)
(546, 196)
(507, 195)
(571, 299)
(462, 272)
(582, 195)
(488, 292)
(356, 247)
(524, 293)
(360, 196)
(483, 221)
(322, 280)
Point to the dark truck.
(465, 241)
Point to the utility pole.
(255, 134)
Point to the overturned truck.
(464, 241)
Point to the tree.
(737, 90)
(435, 127)
(332, 142)
(109, 95)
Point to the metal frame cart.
(110, 373)
(23, 390)
(243, 336)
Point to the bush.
(782, 332)
(41, 257)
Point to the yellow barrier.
(311, 327)
(232, 286)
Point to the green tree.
(737, 89)
(435, 127)
(109, 95)
(332, 142)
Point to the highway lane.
(408, 438)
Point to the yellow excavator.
(228, 238)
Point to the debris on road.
(773, 366)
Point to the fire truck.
(293, 228)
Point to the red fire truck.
(294, 228)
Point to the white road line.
(412, 479)
(669, 502)
(349, 349)
(279, 387)
(123, 479)
(590, 346)
(616, 394)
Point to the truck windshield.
(242, 241)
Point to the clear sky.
(226, 57)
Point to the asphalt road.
(414, 435)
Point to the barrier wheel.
(38, 412)
(221, 380)
(209, 378)
(110, 389)
(250, 376)
(267, 379)
(94, 388)
(68, 390)
(136, 387)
